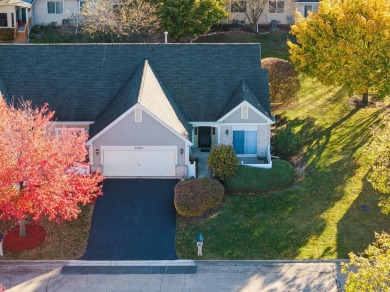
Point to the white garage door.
(139, 162)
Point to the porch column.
(226, 135)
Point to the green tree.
(222, 161)
(379, 176)
(346, 43)
(370, 271)
(118, 19)
(190, 17)
(283, 80)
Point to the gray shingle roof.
(3, 90)
(80, 80)
(143, 88)
(243, 93)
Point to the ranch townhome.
(149, 110)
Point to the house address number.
(138, 147)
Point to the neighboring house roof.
(98, 82)
(21, 3)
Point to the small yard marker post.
(199, 244)
(1, 244)
(166, 36)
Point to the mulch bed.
(35, 235)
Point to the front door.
(204, 137)
(24, 15)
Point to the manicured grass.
(333, 211)
(258, 180)
(273, 44)
(64, 241)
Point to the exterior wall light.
(97, 151)
(227, 132)
(181, 151)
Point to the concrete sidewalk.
(209, 276)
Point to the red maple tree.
(39, 165)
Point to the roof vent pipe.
(166, 36)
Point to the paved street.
(209, 276)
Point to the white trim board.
(238, 107)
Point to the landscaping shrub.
(286, 142)
(283, 79)
(6, 34)
(195, 196)
(222, 161)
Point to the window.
(245, 142)
(238, 6)
(55, 7)
(138, 115)
(276, 6)
(244, 112)
(3, 20)
(81, 4)
(312, 8)
(62, 130)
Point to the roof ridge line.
(141, 89)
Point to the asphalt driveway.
(135, 219)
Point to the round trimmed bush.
(283, 79)
(196, 196)
(222, 161)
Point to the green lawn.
(273, 44)
(257, 180)
(332, 212)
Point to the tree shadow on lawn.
(275, 226)
(316, 139)
(302, 221)
(362, 219)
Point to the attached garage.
(139, 161)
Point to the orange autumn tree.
(38, 167)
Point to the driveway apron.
(135, 219)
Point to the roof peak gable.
(155, 98)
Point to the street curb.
(267, 262)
